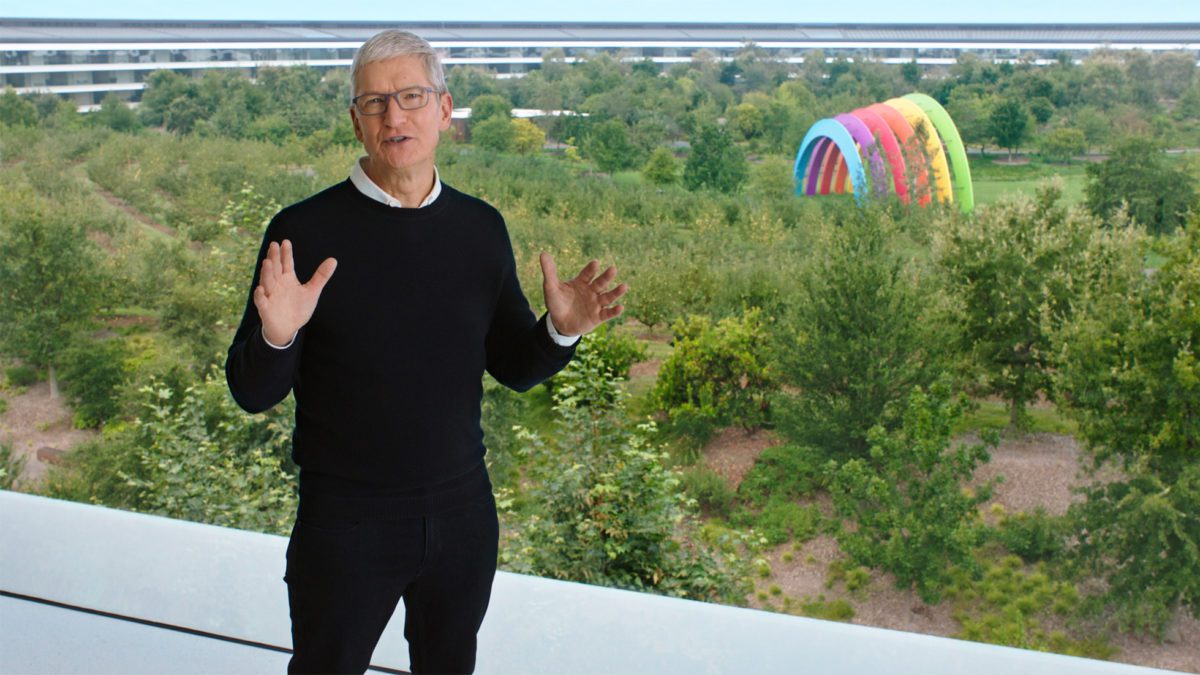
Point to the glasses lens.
(372, 104)
(412, 98)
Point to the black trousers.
(345, 577)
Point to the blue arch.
(834, 131)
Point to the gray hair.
(394, 43)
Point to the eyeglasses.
(408, 99)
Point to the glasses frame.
(394, 96)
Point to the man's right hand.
(284, 304)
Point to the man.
(385, 358)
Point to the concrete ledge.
(229, 583)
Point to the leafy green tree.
(162, 88)
(747, 120)
(487, 106)
(861, 333)
(16, 110)
(48, 283)
(971, 112)
(662, 168)
(1138, 176)
(115, 115)
(910, 72)
(914, 518)
(495, 133)
(608, 145)
(1017, 270)
(714, 162)
(1130, 374)
(1009, 124)
(1095, 126)
(1062, 144)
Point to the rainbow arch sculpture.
(902, 146)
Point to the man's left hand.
(579, 305)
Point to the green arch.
(964, 191)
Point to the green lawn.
(993, 181)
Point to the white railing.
(97, 590)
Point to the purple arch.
(866, 143)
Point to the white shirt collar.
(365, 185)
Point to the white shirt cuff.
(289, 344)
(560, 340)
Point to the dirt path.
(34, 421)
(131, 211)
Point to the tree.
(662, 168)
(15, 110)
(1062, 144)
(1017, 270)
(1138, 177)
(487, 106)
(714, 162)
(115, 115)
(1095, 126)
(861, 333)
(914, 518)
(1009, 124)
(48, 283)
(609, 147)
(1130, 375)
(972, 114)
(528, 139)
(495, 133)
(910, 73)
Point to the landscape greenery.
(885, 345)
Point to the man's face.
(400, 140)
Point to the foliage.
(861, 332)
(1062, 144)
(781, 520)
(528, 139)
(1017, 271)
(718, 372)
(1129, 372)
(115, 115)
(203, 459)
(1138, 177)
(20, 376)
(16, 110)
(913, 516)
(94, 372)
(495, 133)
(608, 145)
(602, 357)
(611, 512)
(486, 106)
(1033, 536)
(1007, 605)
(714, 162)
(11, 466)
(711, 492)
(48, 281)
(1009, 124)
(662, 167)
(786, 471)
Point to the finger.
(549, 268)
(606, 278)
(268, 279)
(273, 251)
(611, 312)
(260, 299)
(613, 295)
(288, 265)
(588, 272)
(322, 275)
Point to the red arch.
(887, 138)
(904, 132)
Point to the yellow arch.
(933, 145)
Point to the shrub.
(602, 357)
(787, 471)
(94, 372)
(711, 492)
(20, 376)
(913, 517)
(11, 466)
(717, 372)
(1035, 536)
(781, 520)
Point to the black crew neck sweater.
(387, 373)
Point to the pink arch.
(904, 131)
(880, 129)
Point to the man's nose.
(394, 114)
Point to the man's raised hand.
(579, 305)
(284, 304)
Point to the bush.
(20, 376)
(93, 373)
(786, 471)
(781, 520)
(1035, 536)
(709, 489)
(913, 516)
(717, 373)
(602, 357)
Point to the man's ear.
(446, 103)
(358, 133)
